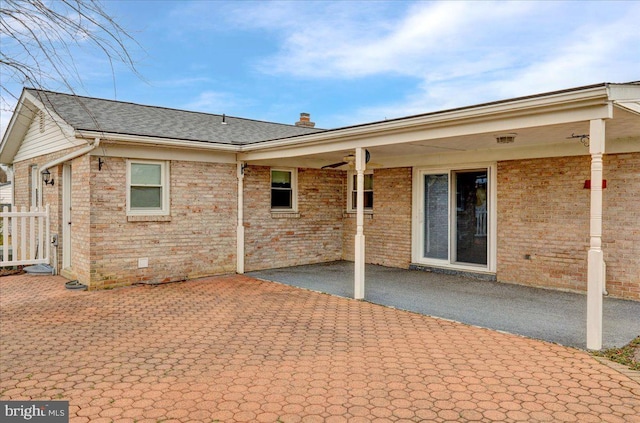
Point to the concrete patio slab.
(234, 349)
(545, 314)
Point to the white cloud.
(453, 53)
(422, 40)
(608, 52)
(460, 53)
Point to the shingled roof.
(117, 117)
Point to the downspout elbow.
(74, 154)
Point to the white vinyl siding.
(37, 143)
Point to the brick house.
(509, 190)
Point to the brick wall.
(388, 229)
(81, 209)
(543, 222)
(198, 240)
(621, 224)
(314, 235)
(543, 213)
(22, 182)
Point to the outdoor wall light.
(584, 138)
(46, 177)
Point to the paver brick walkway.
(235, 348)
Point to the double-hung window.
(283, 190)
(147, 187)
(352, 200)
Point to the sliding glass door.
(455, 217)
(436, 216)
(471, 217)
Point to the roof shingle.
(116, 117)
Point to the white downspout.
(13, 188)
(240, 225)
(359, 237)
(71, 156)
(595, 258)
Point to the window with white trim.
(284, 190)
(352, 186)
(147, 187)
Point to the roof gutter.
(165, 142)
(72, 155)
(590, 96)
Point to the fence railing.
(25, 236)
(481, 221)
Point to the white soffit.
(622, 134)
(630, 106)
(554, 109)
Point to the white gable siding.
(37, 143)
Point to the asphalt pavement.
(545, 314)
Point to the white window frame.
(351, 189)
(418, 217)
(294, 189)
(164, 178)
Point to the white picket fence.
(481, 221)
(25, 236)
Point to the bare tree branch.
(41, 39)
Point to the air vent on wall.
(506, 138)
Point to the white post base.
(240, 250)
(358, 292)
(594, 299)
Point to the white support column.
(240, 226)
(359, 238)
(595, 264)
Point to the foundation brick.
(197, 239)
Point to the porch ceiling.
(622, 134)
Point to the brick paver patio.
(235, 348)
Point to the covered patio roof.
(544, 125)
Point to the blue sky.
(351, 62)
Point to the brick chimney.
(305, 120)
